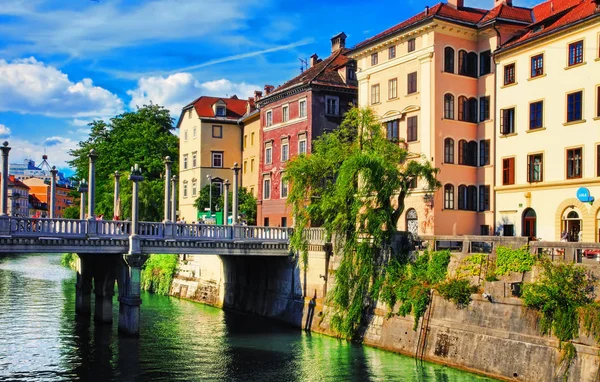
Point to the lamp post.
(167, 215)
(117, 196)
(209, 194)
(4, 187)
(226, 203)
(83, 189)
(135, 177)
(92, 184)
(53, 172)
(234, 207)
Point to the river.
(40, 339)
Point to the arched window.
(448, 106)
(462, 197)
(462, 105)
(448, 150)
(412, 222)
(472, 198)
(471, 154)
(462, 151)
(472, 64)
(472, 112)
(449, 197)
(462, 62)
(449, 60)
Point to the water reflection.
(179, 341)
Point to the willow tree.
(354, 183)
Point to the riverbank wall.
(497, 338)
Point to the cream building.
(210, 142)
(251, 151)
(548, 130)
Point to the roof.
(553, 16)
(322, 73)
(250, 115)
(12, 181)
(203, 105)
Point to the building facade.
(430, 80)
(18, 197)
(251, 150)
(294, 114)
(547, 130)
(210, 142)
(41, 190)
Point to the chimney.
(338, 42)
(313, 60)
(257, 94)
(457, 3)
(500, 2)
(234, 97)
(269, 89)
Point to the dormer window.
(220, 111)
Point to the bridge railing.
(47, 227)
(113, 228)
(151, 230)
(262, 233)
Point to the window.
(189, 113)
(535, 168)
(245, 166)
(252, 139)
(217, 159)
(185, 135)
(508, 171)
(484, 108)
(448, 106)
(269, 118)
(449, 197)
(598, 160)
(574, 163)
(185, 190)
(217, 131)
(351, 74)
(467, 63)
(411, 129)
(537, 65)
(463, 197)
(472, 110)
(267, 189)
(449, 60)
(194, 132)
(507, 121)
(245, 140)
(598, 101)
(392, 52)
(485, 62)
(413, 184)
(302, 108)
(574, 106)
(331, 105)
(185, 162)
(462, 62)
(412, 83)
(285, 152)
(509, 74)
(268, 155)
(194, 159)
(411, 45)
(194, 188)
(484, 198)
(302, 146)
(374, 94)
(251, 165)
(576, 53)
(284, 221)
(467, 153)
(467, 109)
(285, 113)
(284, 188)
(484, 152)
(508, 230)
(536, 115)
(374, 59)
(448, 150)
(221, 111)
(484, 230)
(392, 88)
(393, 133)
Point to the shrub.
(513, 260)
(69, 260)
(457, 291)
(471, 265)
(158, 272)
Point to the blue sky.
(65, 63)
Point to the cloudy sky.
(65, 63)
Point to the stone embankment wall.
(495, 338)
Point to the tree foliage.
(355, 184)
(246, 202)
(145, 137)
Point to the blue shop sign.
(583, 194)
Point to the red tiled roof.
(508, 12)
(12, 181)
(235, 107)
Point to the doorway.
(412, 222)
(571, 226)
(529, 224)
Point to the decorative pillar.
(92, 184)
(234, 207)
(209, 195)
(226, 203)
(83, 189)
(117, 196)
(4, 189)
(168, 163)
(83, 287)
(129, 294)
(174, 181)
(53, 172)
(134, 241)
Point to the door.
(412, 222)
(529, 224)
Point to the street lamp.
(209, 194)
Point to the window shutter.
(511, 171)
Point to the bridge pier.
(104, 287)
(129, 293)
(83, 287)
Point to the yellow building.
(210, 142)
(251, 151)
(548, 125)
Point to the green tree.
(355, 183)
(71, 212)
(247, 202)
(144, 136)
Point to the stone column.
(134, 241)
(83, 188)
(83, 287)
(104, 287)
(53, 172)
(117, 196)
(174, 181)
(168, 163)
(226, 202)
(234, 207)
(4, 189)
(92, 184)
(129, 294)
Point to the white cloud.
(177, 90)
(4, 131)
(29, 86)
(57, 149)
